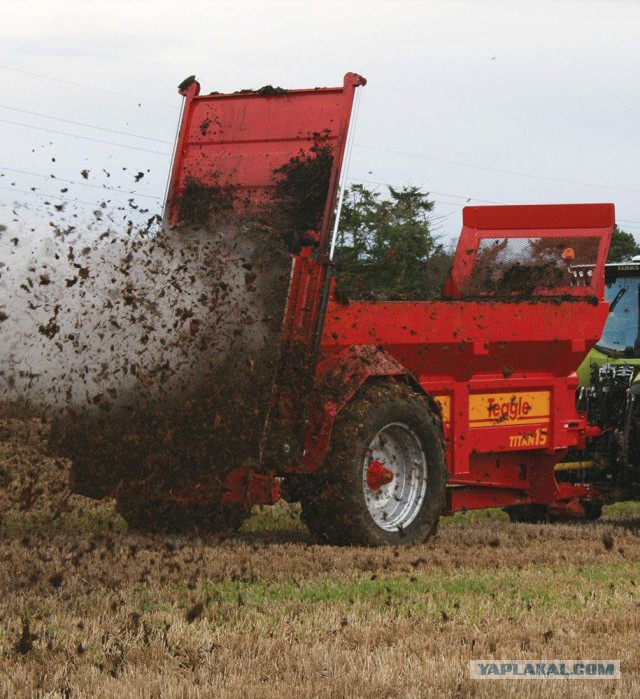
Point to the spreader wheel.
(384, 479)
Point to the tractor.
(609, 390)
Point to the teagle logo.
(508, 410)
(501, 409)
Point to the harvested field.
(90, 609)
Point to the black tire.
(178, 517)
(390, 419)
(528, 514)
(592, 510)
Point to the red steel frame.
(469, 356)
(240, 138)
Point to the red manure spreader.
(378, 416)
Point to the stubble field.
(89, 609)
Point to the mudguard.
(339, 378)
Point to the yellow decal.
(445, 406)
(498, 409)
(531, 439)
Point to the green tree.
(623, 246)
(385, 247)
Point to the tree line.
(387, 249)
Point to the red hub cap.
(378, 475)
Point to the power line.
(492, 169)
(85, 138)
(47, 196)
(442, 194)
(50, 196)
(458, 196)
(79, 123)
(88, 87)
(82, 184)
(627, 222)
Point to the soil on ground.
(91, 609)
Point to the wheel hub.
(378, 475)
(394, 477)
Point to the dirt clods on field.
(91, 609)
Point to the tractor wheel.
(178, 517)
(592, 510)
(384, 479)
(529, 514)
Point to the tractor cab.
(609, 380)
(621, 335)
(619, 344)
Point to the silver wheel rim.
(395, 455)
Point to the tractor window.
(621, 332)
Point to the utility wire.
(442, 194)
(50, 196)
(375, 148)
(82, 184)
(467, 199)
(89, 87)
(628, 222)
(85, 138)
(79, 123)
(47, 196)
(492, 169)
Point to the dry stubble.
(89, 609)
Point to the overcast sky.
(477, 102)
